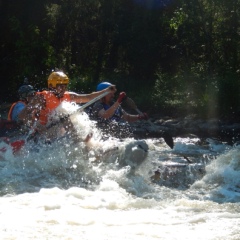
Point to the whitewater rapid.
(63, 191)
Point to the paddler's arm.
(130, 117)
(106, 114)
(83, 98)
(133, 118)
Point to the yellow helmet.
(57, 78)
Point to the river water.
(64, 191)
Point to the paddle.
(17, 145)
(93, 101)
(166, 136)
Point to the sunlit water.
(116, 191)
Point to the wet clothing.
(115, 126)
(117, 116)
(52, 102)
(15, 109)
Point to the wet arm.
(106, 114)
(129, 117)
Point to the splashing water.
(119, 189)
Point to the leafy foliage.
(172, 56)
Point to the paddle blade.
(168, 139)
(17, 145)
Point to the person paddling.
(26, 93)
(113, 120)
(46, 102)
(11, 126)
(111, 117)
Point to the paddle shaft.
(19, 143)
(93, 101)
(166, 136)
(151, 123)
(133, 105)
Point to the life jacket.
(52, 102)
(115, 126)
(11, 109)
(117, 116)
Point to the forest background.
(176, 57)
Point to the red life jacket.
(52, 102)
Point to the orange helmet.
(57, 78)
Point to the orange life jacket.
(52, 102)
(11, 109)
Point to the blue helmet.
(103, 85)
(25, 90)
